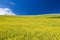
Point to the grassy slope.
(40, 27)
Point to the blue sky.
(32, 6)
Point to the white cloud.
(6, 11)
(12, 3)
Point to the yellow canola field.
(37, 27)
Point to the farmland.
(37, 27)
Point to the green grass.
(37, 27)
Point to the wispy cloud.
(4, 7)
(6, 11)
(12, 3)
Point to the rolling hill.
(35, 27)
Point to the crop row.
(16, 35)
